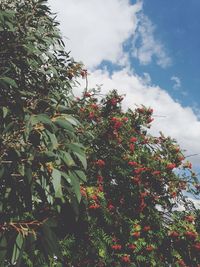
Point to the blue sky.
(148, 50)
(178, 27)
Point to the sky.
(148, 50)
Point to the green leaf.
(56, 181)
(71, 120)
(75, 206)
(44, 119)
(28, 173)
(40, 118)
(35, 119)
(1, 171)
(81, 175)
(49, 240)
(102, 252)
(8, 81)
(5, 111)
(66, 158)
(76, 147)
(62, 108)
(66, 177)
(3, 249)
(75, 185)
(53, 140)
(10, 26)
(47, 156)
(78, 150)
(62, 123)
(82, 159)
(9, 127)
(17, 248)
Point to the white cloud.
(146, 78)
(177, 82)
(169, 116)
(196, 110)
(97, 29)
(196, 202)
(146, 47)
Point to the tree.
(134, 183)
(41, 159)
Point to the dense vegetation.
(41, 159)
(102, 192)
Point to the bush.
(134, 183)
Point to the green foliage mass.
(135, 183)
(41, 159)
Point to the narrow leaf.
(8, 81)
(81, 175)
(62, 123)
(67, 159)
(82, 159)
(75, 185)
(17, 248)
(56, 175)
(3, 249)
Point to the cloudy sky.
(148, 50)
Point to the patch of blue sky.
(178, 27)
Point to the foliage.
(41, 159)
(135, 182)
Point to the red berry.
(125, 119)
(149, 120)
(87, 94)
(189, 218)
(181, 263)
(146, 228)
(111, 207)
(113, 101)
(94, 207)
(191, 235)
(174, 234)
(91, 115)
(100, 163)
(133, 139)
(94, 197)
(116, 247)
(197, 246)
(136, 234)
(133, 163)
(149, 248)
(126, 258)
(156, 172)
(131, 147)
(132, 246)
(171, 166)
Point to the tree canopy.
(41, 158)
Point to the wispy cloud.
(146, 78)
(177, 82)
(146, 47)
